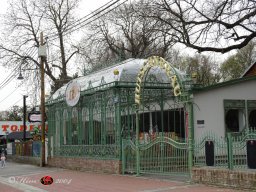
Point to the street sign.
(35, 116)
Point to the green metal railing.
(226, 152)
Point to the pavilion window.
(85, 124)
(97, 123)
(57, 129)
(65, 127)
(74, 121)
(110, 124)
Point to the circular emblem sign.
(72, 93)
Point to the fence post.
(230, 151)
(190, 135)
(123, 156)
(137, 144)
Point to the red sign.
(13, 126)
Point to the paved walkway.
(19, 177)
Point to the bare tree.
(20, 41)
(125, 33)
(207, 25)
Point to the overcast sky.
(12, 93)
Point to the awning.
(18, 135)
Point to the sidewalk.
(76, 181)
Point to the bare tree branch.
(218, 26)
(24, 21)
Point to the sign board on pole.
(35, 117)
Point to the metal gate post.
(137, 144)
(123, 156)
(190, 135)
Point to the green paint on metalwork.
(229, 152)
(141, 101)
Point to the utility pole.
(42, 55)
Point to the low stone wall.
(85, 164)
(24, 159)
(225, 177)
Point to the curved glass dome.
(128, 71)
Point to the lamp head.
(20, 77)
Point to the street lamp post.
(6, 133)
(24, 117)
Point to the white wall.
(209, 106)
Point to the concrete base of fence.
(225, 177)
(85, 164)
(24, 159)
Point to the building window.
(251, 105)
(232, 120)
(252, 119)
(234, 115)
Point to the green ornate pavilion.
(120, 107)
(138, 117)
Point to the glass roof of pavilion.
(128, 71)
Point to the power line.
(8, 95)
(9, 78)
(17, 101)
(96, 18)
(72, 28)
(77, 25)
(84, 17)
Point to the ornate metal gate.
(161, 141)
(163, 155)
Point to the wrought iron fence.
(235, 151)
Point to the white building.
(226, 107)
